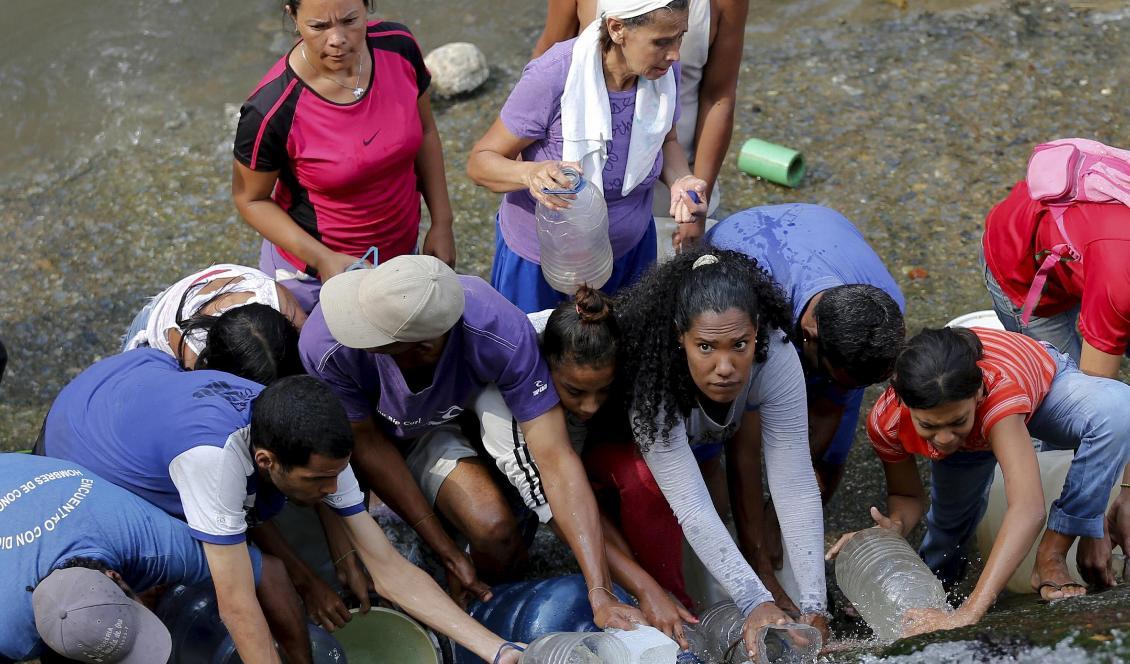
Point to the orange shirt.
(1018, 373)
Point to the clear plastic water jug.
(791, 643)
(576, 648)
(717, 639)
(718, 629)
(883, 577)
(574, 244)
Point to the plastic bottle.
(791, 643)
(574, 244)
(576, 648)
(720, 628)
(883, 577)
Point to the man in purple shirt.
(407, 347)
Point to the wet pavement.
(914, 123)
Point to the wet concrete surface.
(913, 125)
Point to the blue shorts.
(521, 281)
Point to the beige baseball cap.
(406, 299)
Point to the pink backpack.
(1062, 173)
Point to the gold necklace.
(356, 89)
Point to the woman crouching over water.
(579, 341)
(707, 364)
(968, 400)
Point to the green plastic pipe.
(772, 162)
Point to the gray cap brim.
(153, 643)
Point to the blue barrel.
(525, 610)
(199, 637)
(193, 619)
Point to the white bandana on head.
(586, 117)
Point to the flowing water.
(116, 120)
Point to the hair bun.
(593, 306)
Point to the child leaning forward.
(968, 400)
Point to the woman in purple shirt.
(606, 104)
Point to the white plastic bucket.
(1054, 465)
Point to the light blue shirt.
(179, 439)
(806, 249)
(52, 511)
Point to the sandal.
(1058, 586)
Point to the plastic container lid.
(986, 318)
(575, 177)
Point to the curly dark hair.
(663, 305)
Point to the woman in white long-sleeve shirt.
(709, 366)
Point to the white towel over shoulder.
(586, 117)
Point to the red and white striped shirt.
(1018, 373)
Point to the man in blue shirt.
(847, 313)
(56, 514)
(224, 453)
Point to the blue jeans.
(1059, 330)
(1080, 412)
(139, 322)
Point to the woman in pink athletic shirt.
(336, 145)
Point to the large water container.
(526, 610)
(574, 244)
(199, 637)
(883, 577)
(1054, 465)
